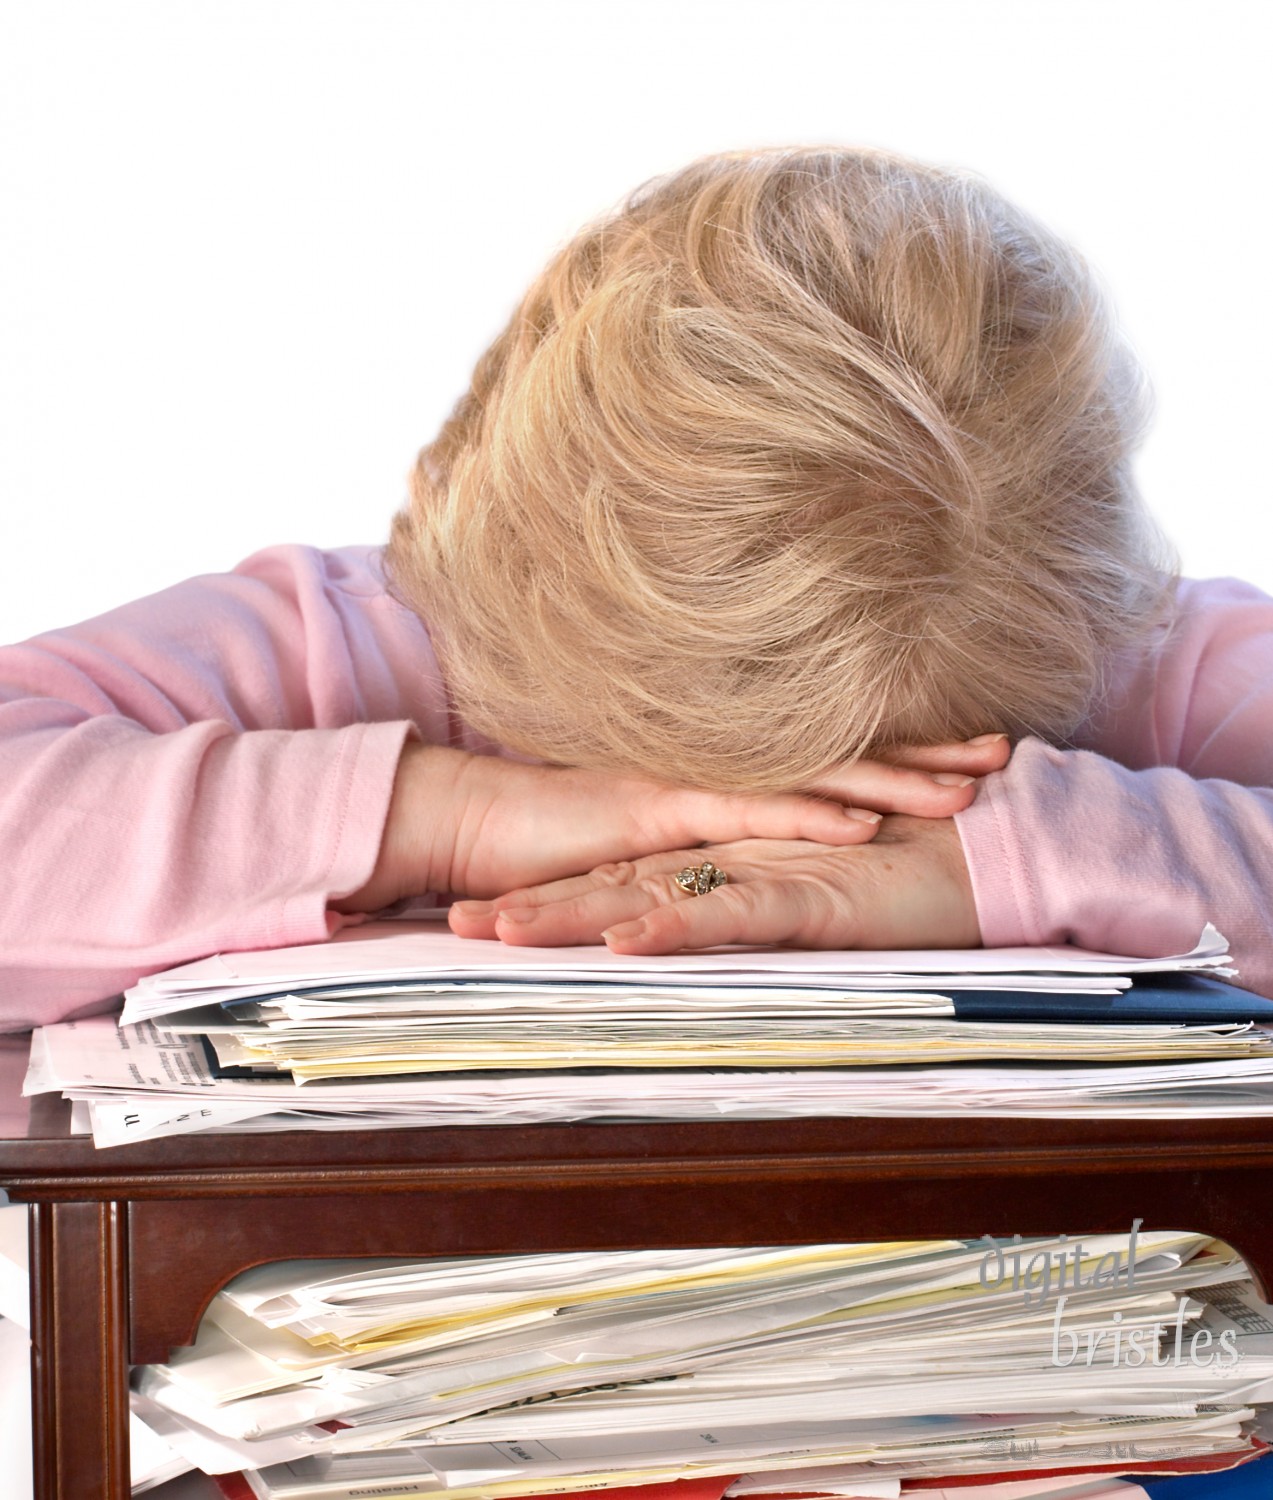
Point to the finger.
(898, 789)
(760, 912)
(713, 818)
(582, 919)
(976, 757)
(583, 916)
(472, 919)
(478, 918)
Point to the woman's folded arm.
(1164, 821)
(186, 774)
(1069, 846)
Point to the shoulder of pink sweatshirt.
(201, 770)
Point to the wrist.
(418, 842)
(965, 927)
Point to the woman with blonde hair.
(796, 487)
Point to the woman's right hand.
(479, 826)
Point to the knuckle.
(824, 908)
(735, 893)
(742, 899)
(671, 921)
(916, 778)
(657, 887)
(736, 807)
(620, 872)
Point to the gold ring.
(699, 879)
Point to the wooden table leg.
(79, 1373)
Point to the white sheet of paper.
(400, 950)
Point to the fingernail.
(862, 814)
(951, 778)
(987, 739)
(624, 932)
(521, 915)
(475, 908)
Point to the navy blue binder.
(1249, 1481)
(1169, 998)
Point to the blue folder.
(1170, 998)
(1252, 1481)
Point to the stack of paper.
(401, 958)
(809, 1369)
(404, 1024)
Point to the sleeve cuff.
(1004, 893)
(349, 825)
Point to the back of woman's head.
(797, 455)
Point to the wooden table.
(129, 1245)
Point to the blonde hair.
(797, 455)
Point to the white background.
(249, 251)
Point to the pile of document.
(404, 1024)
(830, 1369)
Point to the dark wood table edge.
(48, 1164)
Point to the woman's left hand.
(908, 888)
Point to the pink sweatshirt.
(205, 769)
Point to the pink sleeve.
(194, 772)
(1164, 823)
